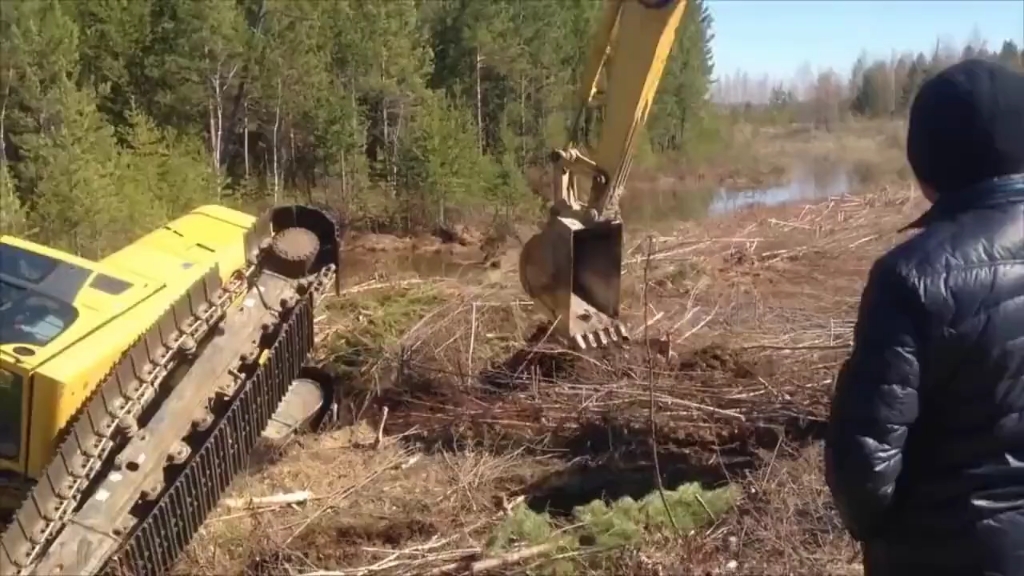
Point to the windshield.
(10, 415)
(24, 265)
(28, 317)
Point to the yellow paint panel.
(161, 266)
(14, 398)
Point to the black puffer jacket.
(925, 449)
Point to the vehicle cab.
(13, 403)
(49, 302)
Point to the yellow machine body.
(133, 389)
(65, 321)
(572, 268)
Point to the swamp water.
(656, 207)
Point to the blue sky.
(776, 36)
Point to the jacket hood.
(990, 193)
(967, 126)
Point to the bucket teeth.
(601, 337)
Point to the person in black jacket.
(924, 452)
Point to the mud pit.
(481, 412)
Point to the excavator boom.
(572, 268)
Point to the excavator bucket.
(573, 272)
(572, 268)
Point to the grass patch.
(626, 520)
(379, 317)
(599, 528)
(369, 325)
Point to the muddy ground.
(460, 415)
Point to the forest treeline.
(119, 114)
(878, 88)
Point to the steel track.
(126, 391)
(163, 534)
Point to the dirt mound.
(604, 436)
(420, 243)
(451, 237)
(335, 544)
(551, 400)
(717, 360)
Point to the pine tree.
(174, 102)
(76, 204)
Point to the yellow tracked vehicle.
(572, 268)
(133, 389)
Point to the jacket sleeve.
(875, 402)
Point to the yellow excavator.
(572, 268)
(134, 388)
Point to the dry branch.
(275, 500)
(488, 564)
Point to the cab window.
(109, 285)
(10, 415)
(30, 317)
(60, 280)
(26, 266)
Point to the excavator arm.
(572, 268)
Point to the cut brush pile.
(480, 443)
